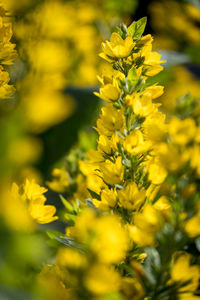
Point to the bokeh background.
(53, 109)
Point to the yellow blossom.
(135, 144)
(71, 258)
(147, 224)
(108, 199)
(182, 131)
(102, 280)
(111, 120)
(163, 206)
(112, 172)
(117, 47)
(60, 180)
(192, 226)
(131, 197)
(157, 173)
(95, 183)
(109, 92)
(183, 272)
(33, 194)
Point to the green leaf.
(70, 219)
(53, 234)
(136, 29)
(67, 205)
(70, 243)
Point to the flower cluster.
(131, 227)
(183, 23)
(28, 201)
(7, 52)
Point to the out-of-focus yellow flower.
(182, 131)
(14, 210)
(102, 280)
(157, 173)
(182, 21)
(71, 258)
(110, 241)
(60, 180)
(182, 272)
(53, 105)
(132, 288)
(163, 206)
(154, 127)
(192, 226)
(24, 150)
(147, 224)
(48, 56)
(51, 283)
(82, 191)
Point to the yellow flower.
(154, 91)
(60, 180)
(154, 127)
(95, 183)
(14, 210)
(182, 131)
(102, 279)
(6, 90)
(108, 199)
(183, 272)
(110, 241)
(163, 206)
(33, 194)
(71, 258)
(192, 226)
(112, 172)
(140, 237)
(53, 105)
(109, 92)
(132, 288)
(111, 120)
(107, 145)
(157, 172)
(48, 56)
(117, 47)
(135, 144)
(42, 213)
(131, 197)
(153, 64)
(147, 224)
(143, 106)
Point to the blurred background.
(53, 109)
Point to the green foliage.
(136, 29)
